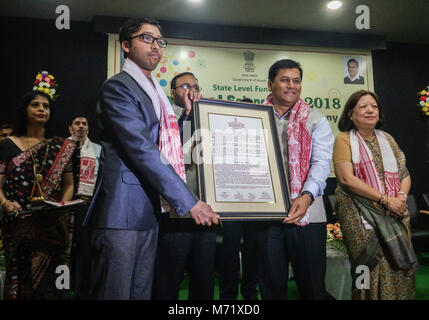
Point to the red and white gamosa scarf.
(364, 166)
(169, 135)
(299, 149)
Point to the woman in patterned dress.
(35, 245)
(373, 183)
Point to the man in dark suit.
(141, 160)
(353, 77)
(182, 243)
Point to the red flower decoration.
(423, 98)
(36, 82)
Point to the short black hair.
(283, 64)
(6, 126)
(353, 60)
(345, 123)
(21, 113)
(173, 81)
(131, 26)
(77, 115)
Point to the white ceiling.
(397, 20)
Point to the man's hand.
(191, 96)
(298, 209)
(203, 214)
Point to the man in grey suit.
(142, 160)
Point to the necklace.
(38, 176)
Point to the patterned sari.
(388, 279)
(35, 245)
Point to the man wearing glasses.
(182, 243)
(142, 160)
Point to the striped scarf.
(364, 167)
(170, 144)
(299, 149)
(88, 163)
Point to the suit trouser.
(304, 247)
(80, 264)
(123, 263)
(233, 231)
(184, 245)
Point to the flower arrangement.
(45, 83)
(423, 102)
(334, 237)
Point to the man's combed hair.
(6, 126)
(353, 60)
(284, 64)
(77, 115)
(133, 25)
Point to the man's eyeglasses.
(147, 38)
(186, 86)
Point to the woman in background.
(35, 167)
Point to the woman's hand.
(396, 206)
(12, 207)
(402, 198)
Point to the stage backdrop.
(230, 71)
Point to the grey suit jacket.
(132, 175)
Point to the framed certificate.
(240, 166)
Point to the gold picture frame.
(240, 167)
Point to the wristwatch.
(308, 193)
